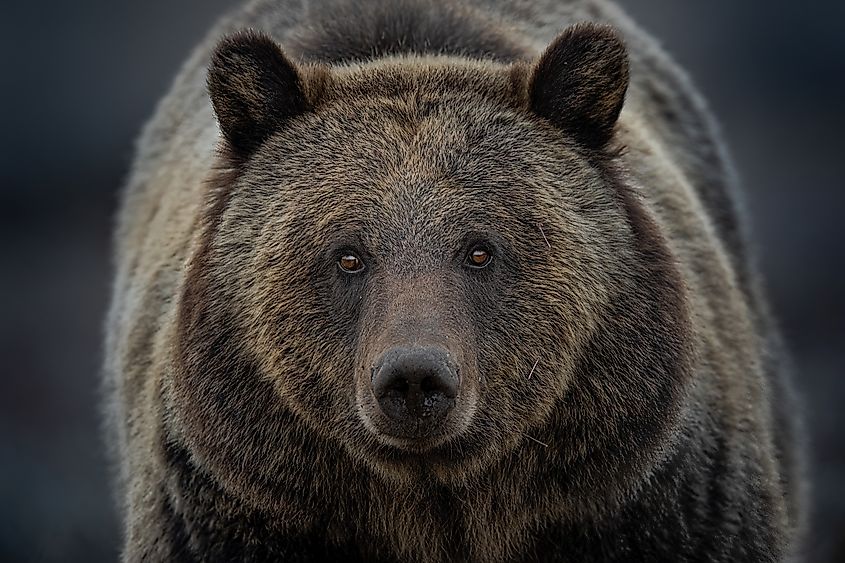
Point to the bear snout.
(415, 389)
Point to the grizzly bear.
(442, 281)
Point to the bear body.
(435, 281)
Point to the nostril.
(435, 384)
(430, 384)
(397, 387)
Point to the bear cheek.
(287, 311)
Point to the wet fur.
(656, 423)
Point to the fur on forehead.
(410, 75)
(484, 107)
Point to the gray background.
(79, 78)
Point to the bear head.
(426, 263)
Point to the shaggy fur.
(623, 391)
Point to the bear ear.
(254, 89)
(579, 83)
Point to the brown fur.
(622, 393)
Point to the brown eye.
(479, 257)
(350, 264)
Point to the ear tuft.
(580, 81)
(254, 89)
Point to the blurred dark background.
(78, 80)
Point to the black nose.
(415, 387)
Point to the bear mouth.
(445, 457)
(414, 438)
(421, 435)
(415, 445)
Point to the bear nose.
(415, 388)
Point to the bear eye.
(350, 263)
(479, 257)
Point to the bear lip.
(418, 445)
(402, 437)
(455, 424)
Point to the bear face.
(425, 262)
